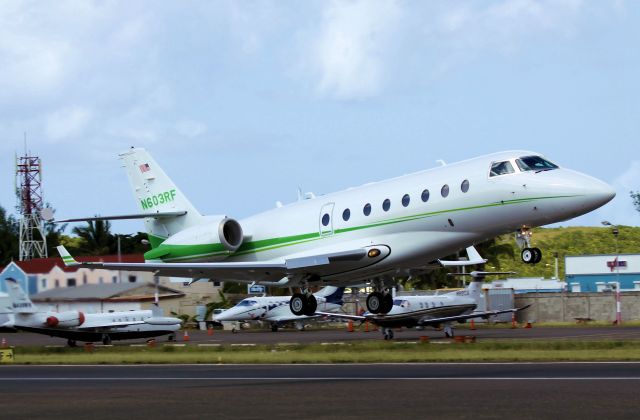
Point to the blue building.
(13, 271)
(602, 273)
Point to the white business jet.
(439, 310)
(276, 311)
(369, 233)
(78, 326)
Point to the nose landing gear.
(528, 255)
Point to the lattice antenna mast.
(33, 242)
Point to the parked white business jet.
(276, 311)
(78, 326)
(372, 232)
(431, 310)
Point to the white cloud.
(621, 210)
(190, 128)
(67, 122)
(349, 53)
(503, 25)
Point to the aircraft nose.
(603, 192)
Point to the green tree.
(97, 238)
(635, 196)
(9, 237)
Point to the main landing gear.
(529, 255)
(380, 302)
(303, 304)
(106, 340)
(387, 333)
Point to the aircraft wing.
(343, 316)
(486, 314)
(259, 272)
(107, 324)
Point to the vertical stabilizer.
(155, 192)
(20, 302)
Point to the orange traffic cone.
(185, 337)
(513, 320)
(210, 330)
(366, 326)
(528, 325)
(350, 326)
(473, 324)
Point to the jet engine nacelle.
(162, 320)
(65, 319)
(216, 231)
(230, 234)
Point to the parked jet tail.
(156, 193)
(20, 302)
(332, 294)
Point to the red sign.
(615, 264)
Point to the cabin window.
(535, 163)
(464, 186)
(346, 214)
(366, 209)
(425, 195)
(406, 200)
(325, 219)
(501, 168)
(386, 204)
(445, 190)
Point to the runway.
(484, 390)
(328, 335)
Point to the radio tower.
(33, 242)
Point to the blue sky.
(242, 102)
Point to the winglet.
(474, 259)
(67, 259)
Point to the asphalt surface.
(473, 391)
(341, 335)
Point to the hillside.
(568, 241)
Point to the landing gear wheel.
(72, 343)
(297, 304)
(537, 255)
(310, 306)
(274, 327)
(106, 340)
(387, 303)
(375, 302)
(528, 256)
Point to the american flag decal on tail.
(145, 168)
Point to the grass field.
(353, 352)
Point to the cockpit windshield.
(535, 163)
(401, 302)
(247, 303)
(501, 168)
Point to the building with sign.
(602, 273)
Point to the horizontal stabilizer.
(473, 255)
(159, 215)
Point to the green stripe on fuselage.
(187, 252)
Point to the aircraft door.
(326, 219)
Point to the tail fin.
(155, 192)
(332, 294)
(20, 302)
